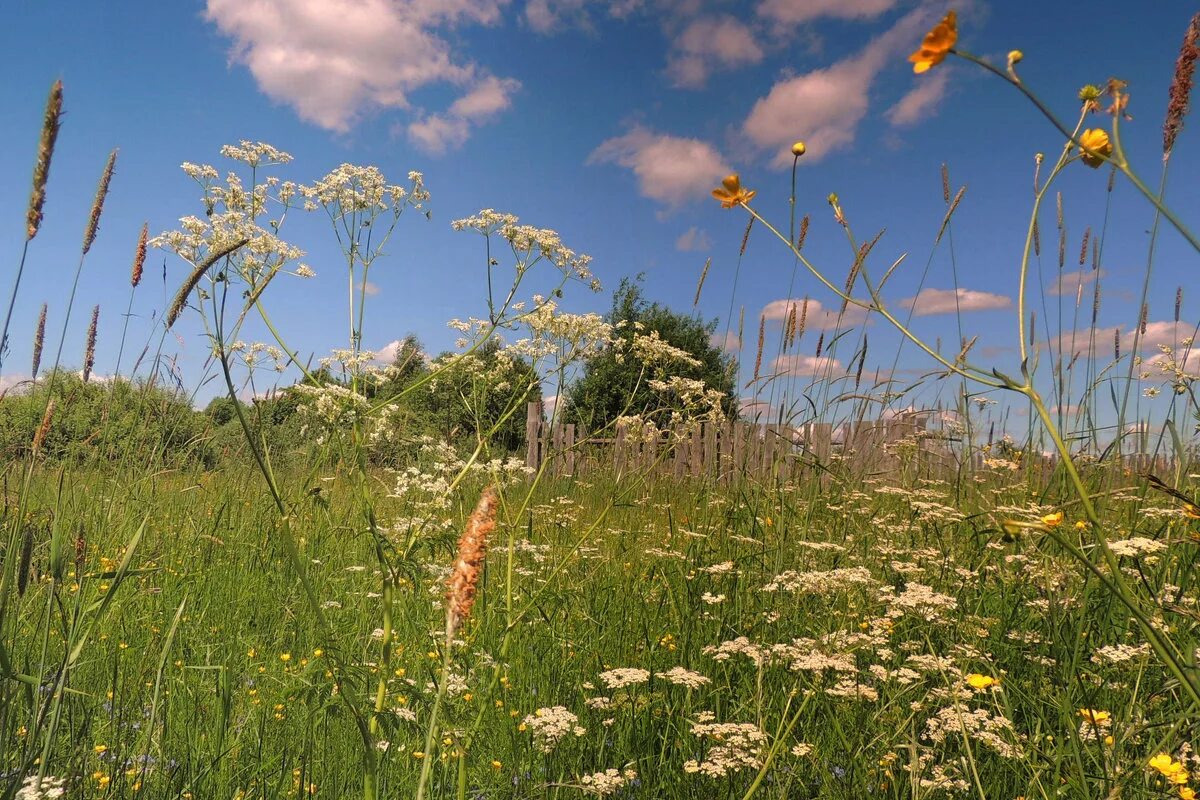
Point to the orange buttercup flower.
(937, 43)
(732, 193)
(1096, 147)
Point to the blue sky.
(606, 121)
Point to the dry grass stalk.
(700, 284)
(185, 291)
(945, 184)
(862, 360)
(1143, 318)
(1181, 85)
(820, 344)
(39, 436)
(762, 334)
(1117, 344)
(468, 562)
(89, 353)
(1083, 250)
(39, 339)
(139, 257)
(789, 332)
(93, 225)
(950, 213)
(1178, 302)
(803, 233)
(41, 170)
(800, 325)
(746, 238)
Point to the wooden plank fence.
(905, 441)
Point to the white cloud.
(708, 42)
(816, 317)
(806, 366)
(437, 133)
(693, 240)
(1070, 284)
(951, 301)
(548, 16)
(669, 169)
(824, 107)
(729, 342)
(798, 11)
(334, 60)
(921, 102)
(371, 289)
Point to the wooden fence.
(721, 452)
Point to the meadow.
(313, 595)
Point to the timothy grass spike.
(41, 170)
(468, 562)
(93, 225)
(185, 291)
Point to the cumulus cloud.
(548, 16)
(824, 107)
(921, 102)
(709, 42)
(729, 342)
(437, 133)
(693, 240)
(806, 366)
(669, 169)
(951, 301)
(797, 11)
(335, 60)
(1069, 284)
(816, 317)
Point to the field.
(358, 586)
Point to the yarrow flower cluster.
(529, 244)
(551, 725)
(732, 747)
(603, 784)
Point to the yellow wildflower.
(1053, 520)
(732, 193)
(937, 43)
(1094, 717)
(1095, 147)
(978, 681)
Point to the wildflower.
(731, 192)
(799, 149)
(937, 43)
(1095, 147)
(1053, 520)
(44, 789)
(978, 681)
(1095, 717)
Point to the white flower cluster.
(529, 244)
(551, 725)
(821, 582)
(45, 789)
(602, 784)
(624, 676)
(734, 746)
(351, 189)
(979, 725)
(1136, 547)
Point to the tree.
(479, 392)
(612, 385)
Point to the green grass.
(232, 700)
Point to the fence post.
(533, 432)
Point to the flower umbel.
(731, 192)
(1095, 147)
(937, 43)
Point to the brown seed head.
(468, 563)
(803, 233)
(39, 339)
(139, 257)
(762, 331)
(1083, 250)
(1181, 85)
(89, 233)
(700, 284)
(89, 354)
(41, 169)
(746, 238)
(39, 437)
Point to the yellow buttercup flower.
(1095, 147)
(978, 681)
(1094, 717)
(1187, 793)
(937, 43)
(1053, 520)
(732, 193)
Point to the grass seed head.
(41, 169)
(468, 562)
